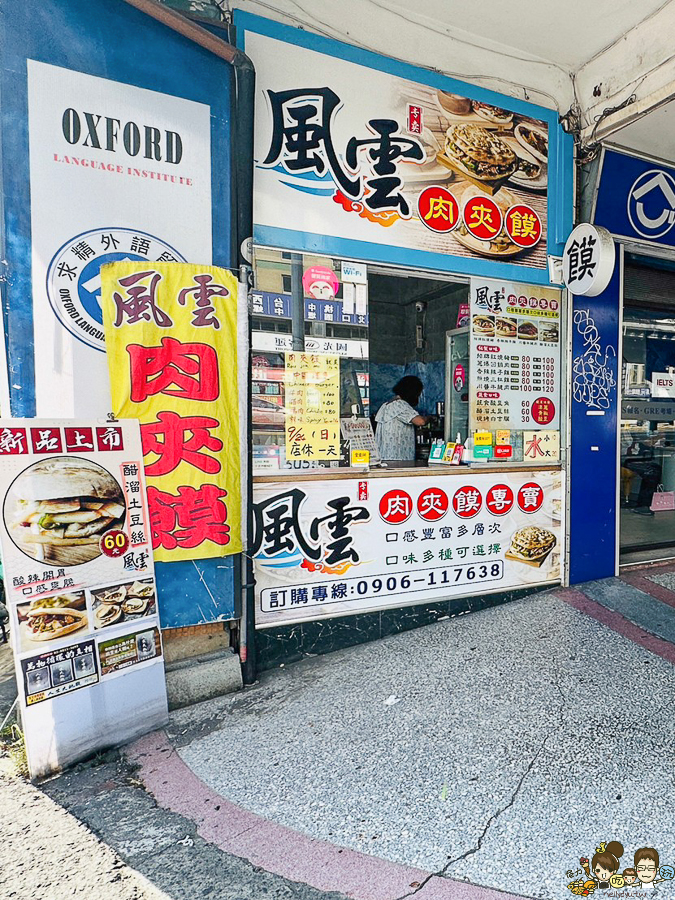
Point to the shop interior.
(401, 330)
(647, 464)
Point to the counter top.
(411, 472)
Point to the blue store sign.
(636, 199)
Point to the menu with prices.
(79, 576)
(514, 356)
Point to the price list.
(515, 358)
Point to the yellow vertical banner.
(171, 343)
(312, 401)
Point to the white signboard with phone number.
(333, 548)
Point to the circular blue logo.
(74, 275)
(651, 204)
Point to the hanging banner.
(171, 338)
(334, 548)
(312, 398)
(79, 576)
(515, 356)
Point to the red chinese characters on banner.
(438, 209)
(530, 497)
(432, 504)
(415, 119)
(523, 225)
(188, 518)
(185, 370)
(46, 440)
(175, 439)
(467, 501)
(499, 499)
(483, 218)
(396, 506)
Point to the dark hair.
(646, 853)
(409, 389)
(609, 859)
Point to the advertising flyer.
(79, 574)
(514, 356)
(332, 548)
(312, 398)
(173, 341)
(402, 164)
(117, 172)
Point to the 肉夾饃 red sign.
(171, 341)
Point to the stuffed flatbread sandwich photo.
(528, 331)
(59, 508)
(483, 325)
(531, 545)
(480, 154)
(492, 113)
(505, 327)
(53, 623)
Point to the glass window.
(332, 339)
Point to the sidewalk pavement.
(472, 759)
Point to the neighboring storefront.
(117, 147)
(633, 196)
(406, 229)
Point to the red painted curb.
(647, 586)
(281, 850)
(618, 623)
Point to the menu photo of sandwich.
(531, 545)
(484, 325)
(528, 331)
(549, 332)
(51, 618)
(58, 509)
(505, 327)
(123, 602)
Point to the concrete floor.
(520, 738)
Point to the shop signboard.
(80, 586)
(472, 180)
(172, 333)
(636, 199)
(515, 356)
(117, 172)
(334, 548)
(588, 260)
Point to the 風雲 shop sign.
(78, 571)
(404, 166)
(334, 548)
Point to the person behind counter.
(396, 420)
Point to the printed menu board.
(79, 578)
(514, 356)
(312, 398)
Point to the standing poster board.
(80, 587)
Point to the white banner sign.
(80, 587)
(663, 384)
(116, 173)
(337, 547)
(515, 356)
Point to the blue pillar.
(596, 394)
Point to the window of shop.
(332, 338)
(647, 463)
